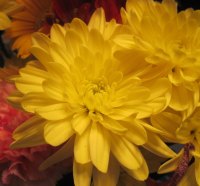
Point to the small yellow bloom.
(83, 97)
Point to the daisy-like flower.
(182, 131)
(34, 16)
(170, 41)
(6, 8)
(82, 97)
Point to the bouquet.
(104, 91)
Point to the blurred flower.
(20, 167)
(38, 16)
(66, 10)
(156, 30)
(6, 8)
(79, 90)
(35, 16)
(111, 8)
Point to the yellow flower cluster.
(103, 91)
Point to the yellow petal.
(136, 133)
(157, 146)
(82, 174)
(97, 20)
(30, 102)
(32, 125)
(141, 173)
(81, 148)
(54, 90)
(167, 122)
(57, 132)
(72, 43)
(110, 178)
(171, 164)
(180, 98)
(125, 152)
(29, 133)
(57, 34)
(99, 147)
(57, 111)
(59, 56)
(80, 123)
(80, 27)
(42, 55)
(41, 41)
(31, 79)
(113, 125)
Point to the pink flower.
(10, 117)
(20, 167)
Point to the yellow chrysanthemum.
(6, 8)
(82, 95)
(171, 42)
(28, 20)
(183, 131)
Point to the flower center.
(95, 96)
(98, 86)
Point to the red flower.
(111, 8)
(66, 10)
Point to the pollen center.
(95, 94)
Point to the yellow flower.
(6, 8)
(28, 20)
(171, 42)
(82, 97)
(182, 131)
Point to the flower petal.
(136, 133)
(111, 177)
(180, 98)
(57, 132)
(99, 147)
(97, 20)
(113, 125)
(125, 152)
(57, 111)
(157, 146)
(82, 174)
(80, 123)
(29, 133)
(81, 148)
(32, 101)
(141, 173)
(171, 164)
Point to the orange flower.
(35, 16)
